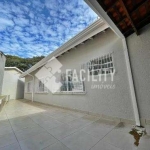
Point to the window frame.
(72, 91)
(26, 87)
(37, 88)
(105, 63)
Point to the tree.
(21, 63)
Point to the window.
(101, 65)
(40, 87)
(68, 85)
(28, 88)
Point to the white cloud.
(21, 21)
(6, 22)
(37, 28)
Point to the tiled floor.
(32, 126)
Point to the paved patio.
(32, 126)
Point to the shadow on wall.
(20, 89)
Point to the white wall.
(113, 102)
(139, 51)
(2, 65)
(12, 84)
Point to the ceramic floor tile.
(104, 146)
(144, 143)
(58, 114)
(23, 125)
(28, 133)
(37, 142)
(82, 122)
(20, 120)
(90, 118)
(99, 130)
(38, 126)
(120, 139)
(5, 130)
(122, 127)
(66, 119)
(61, 131)
(7, 139)
(50, 124)
(77, 114)
(80, 141)
(40, 117)
(14, 146)
(57, 146)
(4, 123)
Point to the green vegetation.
(21, 63)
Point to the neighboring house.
(2, 65)
(97, 42)
(12, 84)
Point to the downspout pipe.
(32, 86)
(131, 84)
(102, 14)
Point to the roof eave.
(15, 68)
(102, 14)
(97, 27)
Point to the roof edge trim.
(95, 28)
(14, 68)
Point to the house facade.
(134, 30)
(12, 84)
(139, 51)
(2, 66)
(96, 46)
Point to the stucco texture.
(13, 85)
(139, 51)
(111, 102)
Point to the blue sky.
(37, 27)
